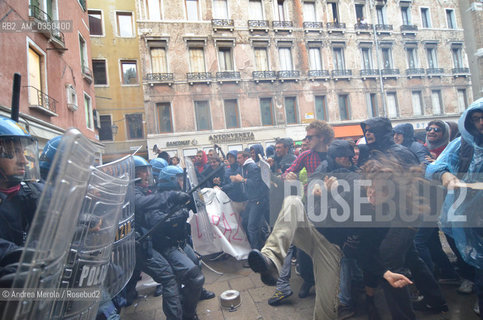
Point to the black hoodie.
(420, 151)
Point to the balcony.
(390, 73)
(415, 72)
(318, 74)
(341, 74)
(41, 101)
(46, 26)
(383, 28)
(460, 72)
(228, 76)
(264, 76)
(409, 29)
(335, 27)
(159, 78)
(197, 77)
(363, 28)
(434, 72)
(222, 24)
(285, 75)
(258, 25)
(282, 26)
(87, 74)
(369, 73)
(313, 26)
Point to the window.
(391, 105)
(457, 57)
(371, 100)
(266, 110)
(88, 112)
(203, 115)
(281, 12)
(344, 108)
(291, 114)
(462, 100)
(158, 60)
(134, 123)
(366, 58)
(381, 15)
(231, 114)
(83, 55)
(255, 10)
(309, 11)
(36, 75)
(197, 60)
(124, 24)
(321, 108)
(315, 59)
(192, 10)
(436, 101)
(165, 123)
(285, 58)
(406, 15)
(335, 12)
(412, 55)
(95, 23)
(425, 18)
(450, 18)
(220, 9)
(359, 12)
(153, 9)
(339, 61)
(225, 59)
(417, 103)
(432, 59)
(261, 59)
(129, 72)
(387, 58)
(105, 132)
(100, 72)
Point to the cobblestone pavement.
(254, 296)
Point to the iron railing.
(198, 76)
(390, 72)
(282, 24)
(39, 14)
(409, 27)
(369, 72)
(264, 75)
(313, 25)
(43, 100)
(228, 75)
(258, 24)
(318, 74)
(222, 23)
(384, 27)
(460, 70)
(363, 26)
(341, 73)
(335, 25)
(288, 74)
(434, 71)
(414, 71)
(159, 77)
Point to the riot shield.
(52, 229)
(265, 172)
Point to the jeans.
(283, 281)
(253, 218)
(347, 269)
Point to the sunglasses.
(429, 129)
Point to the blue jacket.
(232, 189)
(258, 151)
(468, 240)
(254, 188)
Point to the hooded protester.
(437, 137)
(453, 130)
(380, 141)
(404, 135)
(232, 190)
(200, 161)
(270, 151)
(256, 151)
(420, 137)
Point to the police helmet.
(158, 164)
(48, 155)
(168, 178)
(17, 145)
(140, 165)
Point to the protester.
(404, 135)
(256, 153)
(284, 155)
(200, 161)
(437, 138)
(218, 178)
(233, 189)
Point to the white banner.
(218, 228)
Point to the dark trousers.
(306, 266)
(253, 219)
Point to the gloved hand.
(179, 198)
(180, 215)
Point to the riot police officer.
(19, 192)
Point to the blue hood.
(407, 130)
(270, 151)
(466, 127)
(258, 151)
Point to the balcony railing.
(409, 28)
(39, 14)
(460, 71)
(434, 71)
(318, 74)
(415, 72)
(258, 25)
(369, 73)
(228, 76)
(41, 100)
(87, 73)
(264, 75)
(363, 27)
(277, 25)
(313, 25)
(389, 72)
(335, 26)
(198, 77)
(49, 29)
(222, 24)
(383, 28)
(159, 77)
(346, 73)
(288, 74)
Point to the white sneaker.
(476, 308)
(466, 287)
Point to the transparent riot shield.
(47, 246)
(123, 257)
(265, 172)
(89, 259)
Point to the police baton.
(178, 207)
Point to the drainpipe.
(378, 58)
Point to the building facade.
(47, 42)
(237, 73)
(117, 77)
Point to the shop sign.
(232, 137)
